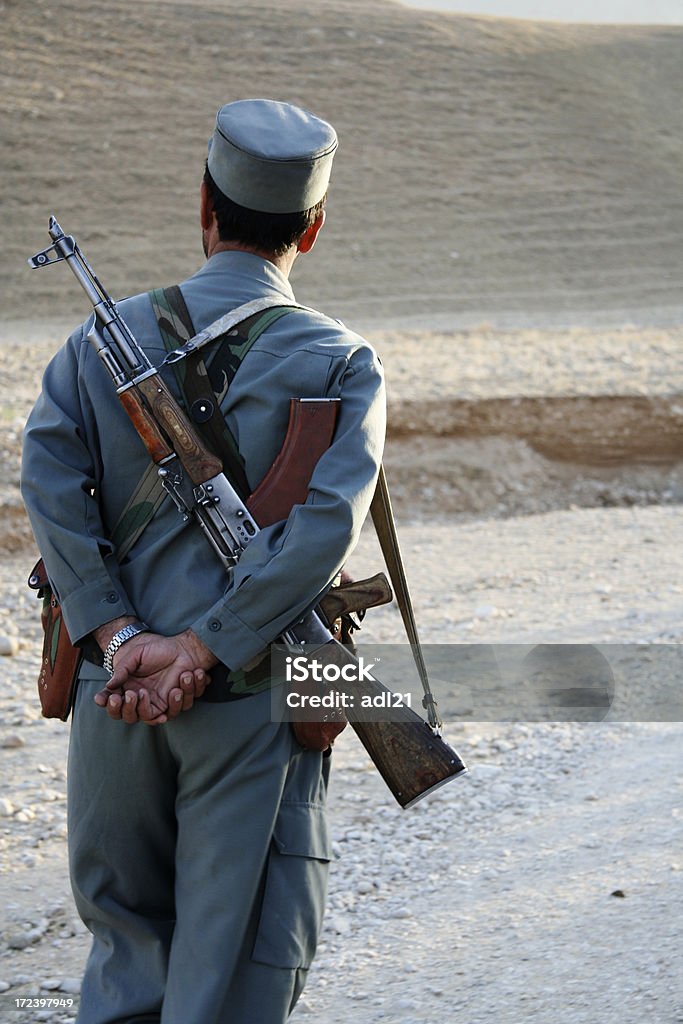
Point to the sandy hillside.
(487, 168)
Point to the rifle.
(411, 756)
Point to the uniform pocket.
(295, 887)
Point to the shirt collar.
(260, 273)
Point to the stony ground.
(498, 898)
(494, 899)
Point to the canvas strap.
(141, 506)
(202, 389)
(385, 527)
(204, 384)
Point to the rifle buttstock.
(412, 760)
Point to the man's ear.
(205, 208)
(307, 240)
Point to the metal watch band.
(119, 639)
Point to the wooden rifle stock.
(164, 428)
(199, 463)
(412, 759)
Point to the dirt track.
(494, 900)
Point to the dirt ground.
(505, 226)
(544, 886)
(495, 899)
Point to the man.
(199, 848)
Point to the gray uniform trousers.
(199, 862)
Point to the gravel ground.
(493, 899)
(498, 897)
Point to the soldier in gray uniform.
(199, 845)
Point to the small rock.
(339, 925)
(618, 892)
(485, 611)
(9, 645)
(6, 807)
(407, 1004)
(401, 913)
(4, 986)
(72, 986)
(51, 984)
(13, 741)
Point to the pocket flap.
(301, 830)
(295, 887)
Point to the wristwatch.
(119, 639)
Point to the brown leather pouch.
(60, 660)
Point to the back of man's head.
(267, 172)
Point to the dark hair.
(266, 232)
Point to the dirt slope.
(487, 167)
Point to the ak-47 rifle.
(411, 756)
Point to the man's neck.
(283, 262)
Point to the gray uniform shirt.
(83, 459)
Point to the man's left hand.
(156, 677)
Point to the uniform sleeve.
(59, 481)
(287, 566)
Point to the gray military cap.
(271, 156)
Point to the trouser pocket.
(295, 887)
